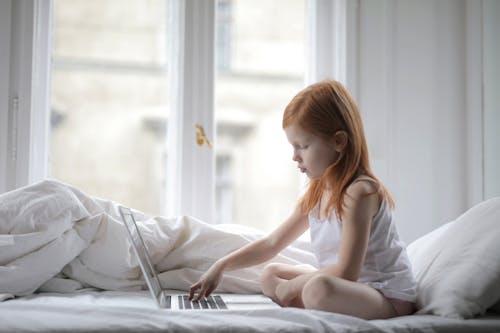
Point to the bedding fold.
(54, 237)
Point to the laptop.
(174, 300)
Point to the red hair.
(323, 109)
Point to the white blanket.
(53, 237)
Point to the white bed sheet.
(55, 238)
(117, 311)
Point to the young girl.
(364, 269)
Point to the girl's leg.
(327, 293)
(274, 274)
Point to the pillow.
(457, 266)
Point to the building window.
(223, 34)
(265, 69)
(109, 99)
(110, 104)
(223, 190)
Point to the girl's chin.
(312, 177)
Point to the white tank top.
(386, 266)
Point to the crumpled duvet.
(54, 237)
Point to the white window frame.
(326, 45)
(475, 107)
(24, 99)
(190, 168)
(5, 27)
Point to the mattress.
(118, 311)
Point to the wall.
(411, 87)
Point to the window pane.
(260, 67)
(109, 99)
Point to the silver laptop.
(179, 300)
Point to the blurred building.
(110, 103)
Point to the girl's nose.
(295, 157)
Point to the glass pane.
(260, 67)
(109, 99)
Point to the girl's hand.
(207, 283)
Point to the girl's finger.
(204, 292)
(200, 294)
(193, 289)
(209, 291)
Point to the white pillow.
(457, 266)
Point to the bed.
(114, 311)
(65, 266)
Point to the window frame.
(24, 143)
(327, 46)
(191, 168)
(190, 184)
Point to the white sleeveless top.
(386, 266)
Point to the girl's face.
(312, 153)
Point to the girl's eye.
(299, 147)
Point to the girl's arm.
(253, 253)
(362, 203)
(268, 247)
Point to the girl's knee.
(271, 271)
(318, 291)
(268, 279)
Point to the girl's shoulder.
(364, 191)
(363, 186)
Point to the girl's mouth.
(302, 169)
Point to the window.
(109, 99)
(260, 58)
(110, 107)
(223, 34)
(109, 103)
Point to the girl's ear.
(340, 138)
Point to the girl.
(364, 269)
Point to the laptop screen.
(142, 253)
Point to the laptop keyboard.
(208, 303)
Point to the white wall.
(411, 85)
